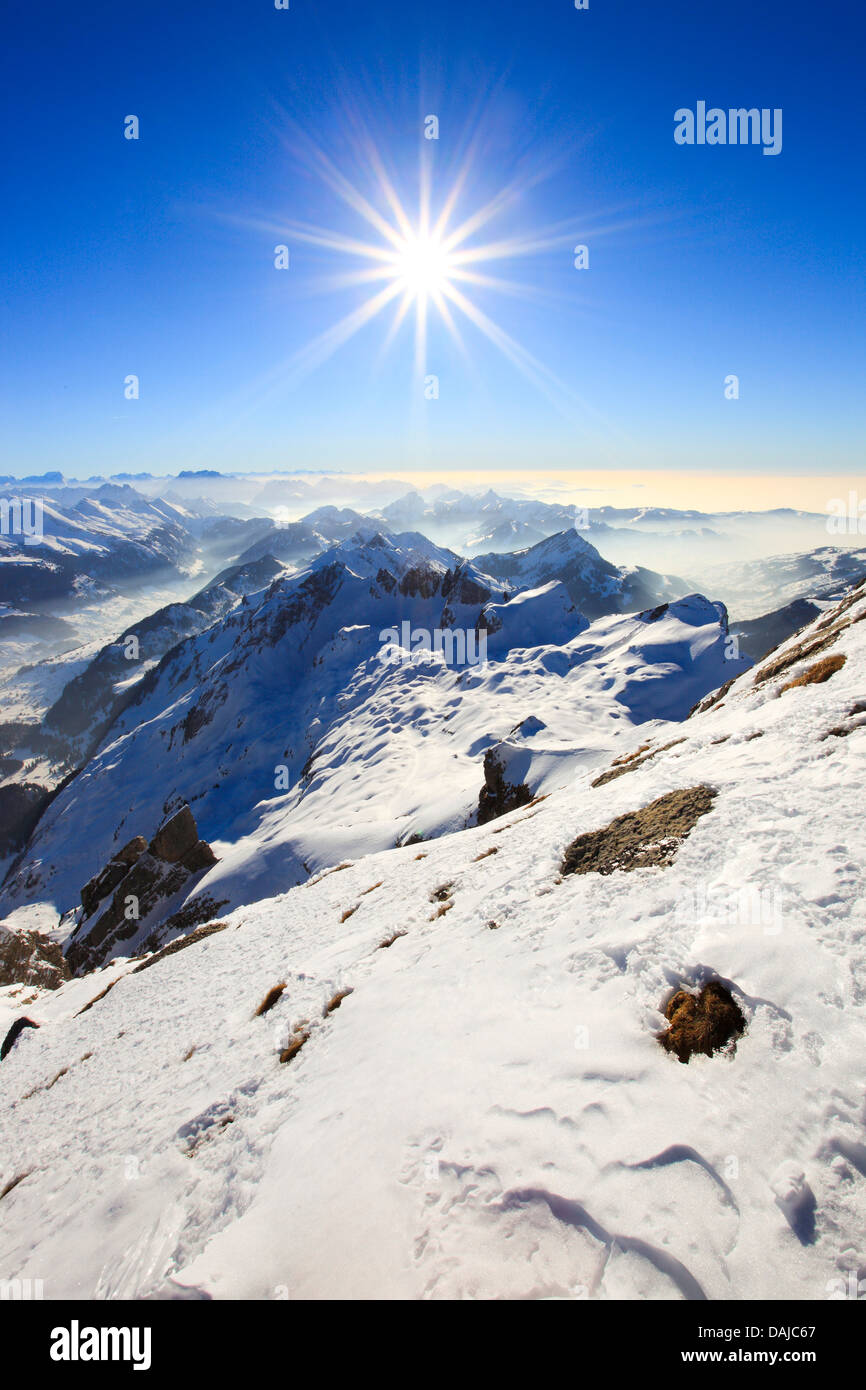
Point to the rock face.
(29, 958)
(13, 1035)
(115, 870)
(130, 890)
(499, 796)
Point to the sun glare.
(423, 267)
(409, 264)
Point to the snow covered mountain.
(436, 1072)
(754, 589)
(110, 535)
(298, 731)
(594, 584)
(61, 708)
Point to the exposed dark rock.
(419, 581)
(652, 615)
(201, 856)
(108, 878)
(12, 1036)
(176, 838)
(29, 958)
(498, 797)
(150, 874)
(640, 839)
(21, 805)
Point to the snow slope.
(487, 1114)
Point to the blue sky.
(155, 257)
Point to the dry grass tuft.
(272, 997)
(389, 940)
(640, 839)
(13, 1182)
(705, 1023)
(336, 1001)
(818, 673)
(96, 998)
(295, 1045)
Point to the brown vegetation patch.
(704, 1023)
(338, 868)
(13, 1183)
(295, 1045)
(365, 891)
(181, 944)
(620, 766)
(630, 757)
(441, 910)
(389, 940)
(485, 854)
(846, 603)
(272, 997)
(336, 1001)
(818, 673)
(96, 998)
(801, 651)
(715, 697)
(47, 1087)
(348, 913)
(855, 718)
(511, 824)
(640, 839)
(440, 894)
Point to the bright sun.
(415, 265)
(422, 266)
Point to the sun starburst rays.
(429, 264)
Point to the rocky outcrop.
(21, 805)
(13, 1035)
(114, 872)
(130, 891)
(29, 958)
(498, 796)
